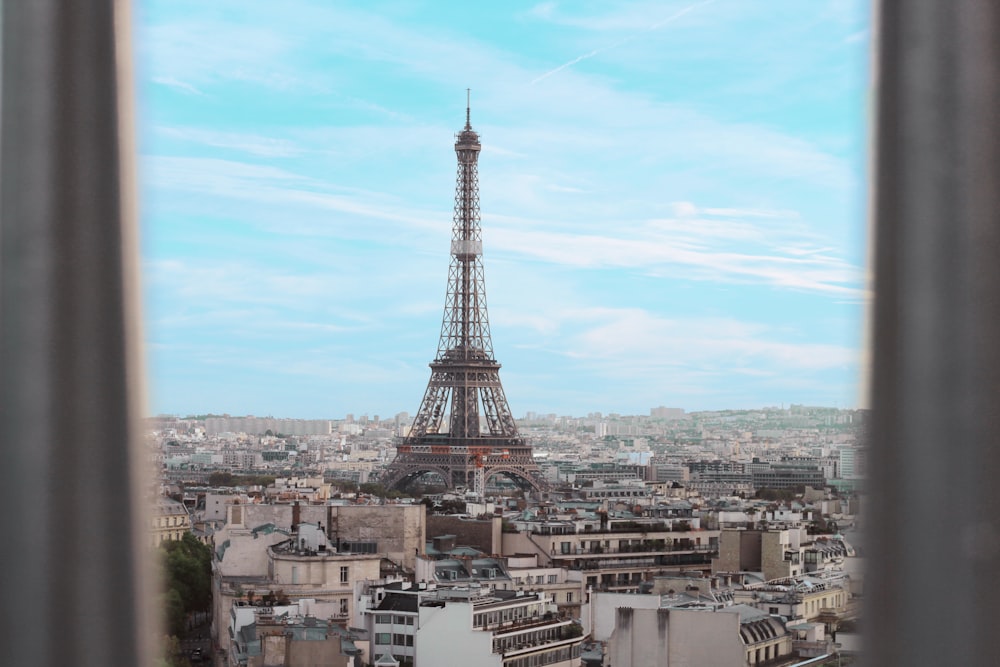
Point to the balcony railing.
(619, 562)
(529, 646)
(548, 620)
(656, 561)
(565, 630)
(637, 549)
(637, 527)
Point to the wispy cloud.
(656, 26)
(177, 85)
(750, 212)
(276, 187)
(203, 51)
(640, 339)
(682, 256)
(564, 188)
(705, 243)
(246, 143)
(622, 17)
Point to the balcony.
(568, 633)
(637, 527)
(548, 619)
(546, 644)
(619, 563)
(638, 549)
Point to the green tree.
(223, 478)
(220, 478)
(345, 485)
(375, 489)
(173, 610)
(187, 571)
(186, 566)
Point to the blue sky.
(673, 200)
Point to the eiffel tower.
(464, 431)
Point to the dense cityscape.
(739, 526)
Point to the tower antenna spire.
(468, 98)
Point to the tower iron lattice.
(464, 431)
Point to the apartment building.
(253, 564)
(566, 586)
(302, 634)
(429, 627)
(804, 598)
(169, 521)
(665, 636)
(778, 552)
(619, 557)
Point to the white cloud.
(772, 249)
(564, 188)
(819, 273)
(750, 213)
(208, 49)
(630, 17)
(260, 184)
(633, 339)
(252, 144)
(177, 85)
(684, 209)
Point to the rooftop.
(398, 602)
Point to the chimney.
(296, 515)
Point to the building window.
(552, 578)
(569, 597)
(344, 574)
(399, 639)
(382, 637)
(383, 618)
(343, 605)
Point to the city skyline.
(529, 416)
(672, 201)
